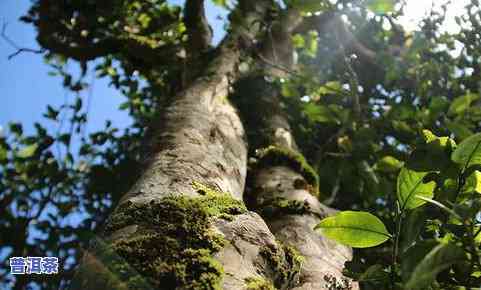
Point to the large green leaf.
(27, 151)
(410, 184)
(354, 228)
(459, 129)
(380, 6)
(468, 152)
(473, 183)
(439, 258)
(413, 224)
(461, 104)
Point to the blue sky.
(26, 88)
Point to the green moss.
(278, 206)
(174, 244)
(257, 283)
(274, 155)
(285, 265)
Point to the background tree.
(332, 99)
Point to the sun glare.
(416, 10)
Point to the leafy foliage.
(357, 229)
(383, 156)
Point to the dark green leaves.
(420, 273)
(354, 228)
(468, 152)
(461, 104)
(411, 183)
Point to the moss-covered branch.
(279, 156)
(174, 243)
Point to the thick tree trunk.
(184, 224)
(284, 191)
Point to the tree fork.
(283, 186)
(198, 162)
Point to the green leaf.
(222, 3)
(473, 183)
(298, 41)
(3, 154)
(461, 104)
(439, 258)
(468, 152)
(412, 226)
(330, 87)
(439, 205)
(409, 184)
(380, 6)
(321, 114)
(459, 129)
(375, 272)
(354, 228)
(309, 5)
(312, 39)
(388, 164)
(27, 151)
(432, 156)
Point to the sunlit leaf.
(330, 87)
(3, 153)
(473, 183)
(321, 114)
(27, 151)
(222, 3)
(388, 164)
(354, 228)
(411, 183)
(380, 6)
(468, 152)
(309, 5)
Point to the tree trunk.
(184, 223)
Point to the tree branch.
(198, 29)
(332, 21)
(14, 45)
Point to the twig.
(14, 45)
(278, 66)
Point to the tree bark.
(184, 224)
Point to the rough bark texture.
(282, 193)
(184, 224)
(286, 194)
(197, 171)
